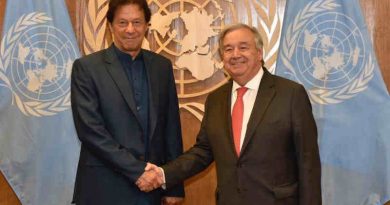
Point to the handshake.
(151, 179)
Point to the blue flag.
(38, 144)
(325, 46)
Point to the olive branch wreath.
(95, 26)
(269, 26)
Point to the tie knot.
(241, 91)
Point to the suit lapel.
(264, 97)
(118, 74)
(227, 115)
(153, 84)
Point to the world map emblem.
(328, 53)
(186, 32)
(36, 60)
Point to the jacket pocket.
(286, 190)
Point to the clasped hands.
(151, 179)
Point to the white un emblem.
(326, 53)
(38, 65)
(330, 51)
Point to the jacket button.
(142, 158)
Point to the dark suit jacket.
(107, 124)
(279, 161)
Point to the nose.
(236, 52)
(130, 28)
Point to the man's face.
(241, 58)
(129, 28)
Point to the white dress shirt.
(249, 100)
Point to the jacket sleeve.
(91, 128)
(306, 145)
(193, 161)
(173, 141)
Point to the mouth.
(237, 62)
(130, 39)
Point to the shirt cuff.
(163, 186)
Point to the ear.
(147, 32)
(110, 26)
(260, 54)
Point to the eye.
(244, 48)
(228, 50)
(136, 23)
(122, 23)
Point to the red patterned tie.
(237, 116)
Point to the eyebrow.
(136, 19)
(240, 44)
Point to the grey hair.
(233, 27)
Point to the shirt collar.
(124, 57)
(253, 84)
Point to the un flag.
(326, 47)
(38, 144)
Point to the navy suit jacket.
(279, 162)
(108, 126)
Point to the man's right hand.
(151, 179)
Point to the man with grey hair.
(258, 128)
